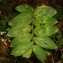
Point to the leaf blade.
(44, 11)
(27, 53)
(39, 52)
(45, 42)
(20, 48)
(24, 8)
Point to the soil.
(5, 48)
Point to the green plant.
(4, 2)
(32, 30)
(3, 23)
(58, 14)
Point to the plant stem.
(32, 29)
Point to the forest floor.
(5, 48)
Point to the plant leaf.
(58, 14)
(45, 21)
(3, 23)
(45, 30)
(22, 18)
(45, 42)
(60, 44)
(24, 8)
(44, 11)
(27, 53)
(4, 2)
(39, 52)
(16, 30)
(21, 48)
(22, 38)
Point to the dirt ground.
(5, 48)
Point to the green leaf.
(45, 30)
(58, 14)
(16, 30)
(22, 38)
(44, 11)
(3, 23)
(39, 52)
(21, 48)
(60, 44)
(45, 42)
(45, 21)
(4, 2)
(27, 53)
(22, 18)
(24, 8)
(8, 10)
